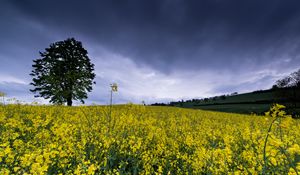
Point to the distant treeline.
(279, 95)
(195, 101)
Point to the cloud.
(170, 35)
(143, 83)
(158, 50)
(11, 79)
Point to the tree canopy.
(63, 73)
(292, 84)
(293, 80)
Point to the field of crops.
(145, 140)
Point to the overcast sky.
(156, 50)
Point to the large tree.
(63, 73)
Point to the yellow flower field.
(145, 140)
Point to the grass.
(254, 102)
(237, 108)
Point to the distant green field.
(255, 102)
(238, 108)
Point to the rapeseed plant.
(145, 140)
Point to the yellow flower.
(16, 169)
(294, 149)
(78, 170)
(7, 150)
(92, 169)
(144, 140)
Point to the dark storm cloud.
(157, 49)
(179, 34)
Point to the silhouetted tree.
(223, 97)
(283, 83)
(234, 93)
(63, 73)
(291, 82)
(274, 87)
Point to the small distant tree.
(274, 87)
(290, 82)
(284, 82)
(223, 97)
(234, 93)
(63, 73)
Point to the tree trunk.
(70, 95)
(69, 101)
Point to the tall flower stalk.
(114, 88)
(277, 113)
